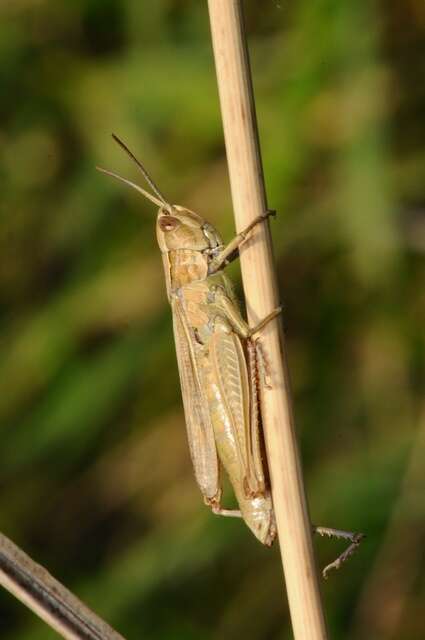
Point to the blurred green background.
(95, 473)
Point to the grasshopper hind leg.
(354, 538)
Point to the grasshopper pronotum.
(221, 365)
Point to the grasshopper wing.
(236, 378)
(198, 423)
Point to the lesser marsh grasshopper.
(220, 363)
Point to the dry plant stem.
(48, 598)
(249, 201)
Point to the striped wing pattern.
(231, 367)
(198, 423)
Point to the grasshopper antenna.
(146, 176)
(149, 196)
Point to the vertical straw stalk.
(261, 293)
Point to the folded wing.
(198, 423)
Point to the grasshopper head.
(179, 228)
(176, 227)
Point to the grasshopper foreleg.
(354, 538)
(239, 325)
(230, 251)
(264, 321)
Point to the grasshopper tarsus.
(354, 538)
(231, 251)
(336, 564)
(257, 220)
(228, 513)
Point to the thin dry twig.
(260, 286)
(48, 598)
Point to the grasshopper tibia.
(263, 367)
(354, 538)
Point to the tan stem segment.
(249, 201)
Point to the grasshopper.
(221, 364)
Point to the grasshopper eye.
(168, 223)
(211, 235)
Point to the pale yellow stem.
(259, 279)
